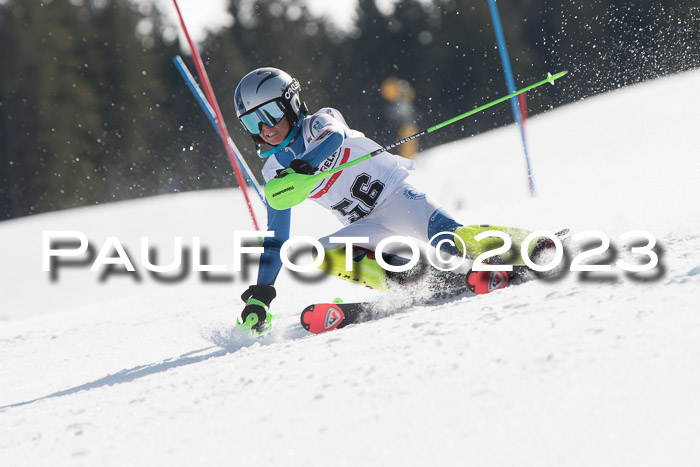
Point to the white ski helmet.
(263, 86)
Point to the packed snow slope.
(588, 370)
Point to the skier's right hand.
(299, 166)
(257, 301)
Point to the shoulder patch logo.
(413, 194)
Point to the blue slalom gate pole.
(201, 98)
(510, 82)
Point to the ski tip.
(322, 317)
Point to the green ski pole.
(293, 188)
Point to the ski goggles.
(270, 114)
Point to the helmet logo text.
(292, 89)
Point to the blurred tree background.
(93, 109)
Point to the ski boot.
(481, 282)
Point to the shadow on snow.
(227, 342)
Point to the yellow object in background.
(409, 148)
(400, 95)
(390, 89)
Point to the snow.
(580, 371)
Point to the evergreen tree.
(93, 110)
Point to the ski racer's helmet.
(266, 95)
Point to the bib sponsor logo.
(330, 162)
(334, 177)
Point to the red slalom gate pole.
(523, 108)
(223, 131)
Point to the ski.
(323, 317)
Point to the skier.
(372, 199)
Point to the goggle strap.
(284, 143)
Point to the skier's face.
(276, 134)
